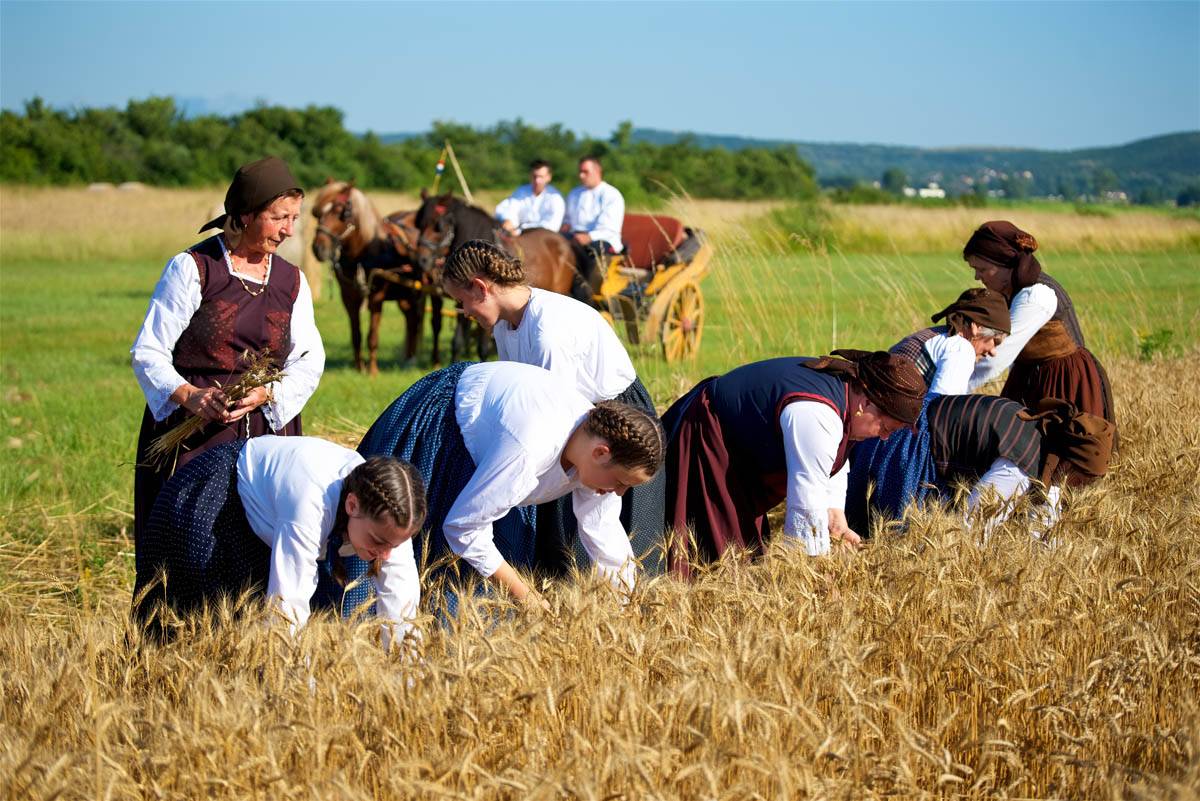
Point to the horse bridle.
(345, 215)
(440, 248)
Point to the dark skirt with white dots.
(642, 515)
(198, 545)
(420, 427)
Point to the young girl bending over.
(581, 350)
(259, 514)
(491, 438)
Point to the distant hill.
(1165, 164)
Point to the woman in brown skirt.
(226, 295)
(771, 432)
(1045, 349)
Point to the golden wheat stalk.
(260, 372)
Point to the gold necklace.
(260, 290)
(245, 286)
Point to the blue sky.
(1051, 75)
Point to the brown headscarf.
(254, 185)
(1074, 443)
(982, 307)
(891, 382)
(1005, 245)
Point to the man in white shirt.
(595, 214)
(537, 204)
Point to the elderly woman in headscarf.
(946, 354)
(993, 445)
(226, 295)
(1046, 348)
(776, 430)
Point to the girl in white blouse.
(492, 438)
(261, 513)
(581, 350)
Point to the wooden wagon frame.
(652, 289)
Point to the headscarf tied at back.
(891, 382)
(1077, 443)
(254, 185)
(982, 307)
(1005, 245)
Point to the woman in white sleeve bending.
(494, 439)
(946, 354)
(581, 350)
(259, 514)
(773, 431)
(1046, 349)
(226, 295)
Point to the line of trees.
(153, 142)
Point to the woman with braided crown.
(260, 513)
(580, 348)
(492, 440)
(774, 431)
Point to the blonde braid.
(634, 437)
(480, 259)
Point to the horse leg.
(435, 310)
(483, 343)
(375, 307)
(414, 317)
(458, 340)
(352, 301)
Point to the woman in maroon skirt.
(741, 443)
(1045, 349)
(220, 298)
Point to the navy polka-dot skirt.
(420, 427)
(642, 515)
(198, 544)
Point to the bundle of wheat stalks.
(260, 371)
(927, 666)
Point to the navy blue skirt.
(420, 427)
(902, 470)
(642, 515)
(198, 545)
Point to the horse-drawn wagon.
(652, 289)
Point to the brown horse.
(445, 223)
(374, 259)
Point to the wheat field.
(930, 665)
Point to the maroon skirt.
(714, 503)
(149, 476)
(1077, 377)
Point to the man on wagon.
(536, 204)
(595, 213)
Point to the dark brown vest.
(1065, 312)
(231, 321)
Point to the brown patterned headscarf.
(1076, 444)
(1005, 245)
(982, 307)
(254, 185)
(891, 382)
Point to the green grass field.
(72, 406)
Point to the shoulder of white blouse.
(1037, 295)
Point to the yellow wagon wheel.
(683, 323)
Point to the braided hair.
(634, 438)
(384, 486)
(479, 259)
